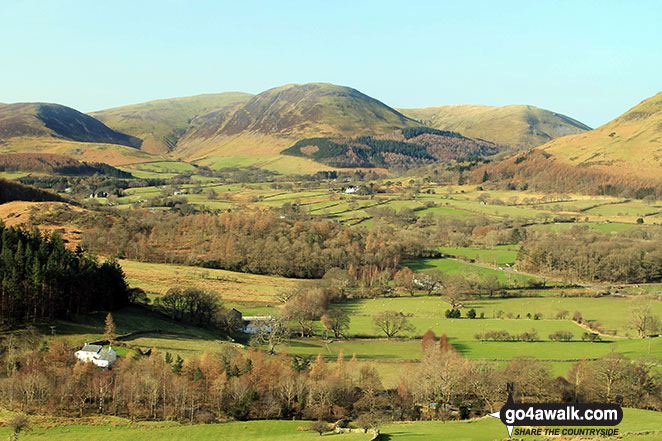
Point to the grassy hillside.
(629, 145)
(276, 118)
(54, 120)
(161, 123)
(27, 213)
(621, 157)
(519, 126)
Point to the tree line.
(253, 385)
(253, 241)
(42, 279)
(583, 255)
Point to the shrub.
(453, 313)
(589, 336)
(471, 313)
(532, 335)
(318, 426)
(561, 336)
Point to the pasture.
(124, 430)
(452, 266)
(231, 286)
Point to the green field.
(482, 429)
(489, 429)
(610, 311)
(500, 255)
(452, 266)
(122, 430)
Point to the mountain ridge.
(519, 126)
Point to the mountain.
(56, 121)
(620, 158)
(161, 123)
(629, 144)
(275, 119)
(56, 129)
(517, 126)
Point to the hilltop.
(161, 123)
(516, 126)
(275, 119)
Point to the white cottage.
(97, 354)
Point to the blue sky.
(591, 60)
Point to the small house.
(257, 324)
(97, 354)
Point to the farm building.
(97, 354)
(258, 323)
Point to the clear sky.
(591, 60)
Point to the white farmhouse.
(97, 354)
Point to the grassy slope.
(19, 212)
(519, 126)
(231, 286)
(160, 122)
(275, 119)
(629, 144)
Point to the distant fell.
(161, 123)
(517, 126)
(45, 120)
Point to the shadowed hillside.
(517, 126)
(56, 164)
(56, 121)
(13, 191)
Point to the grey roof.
(91, 348)
(104, 354)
